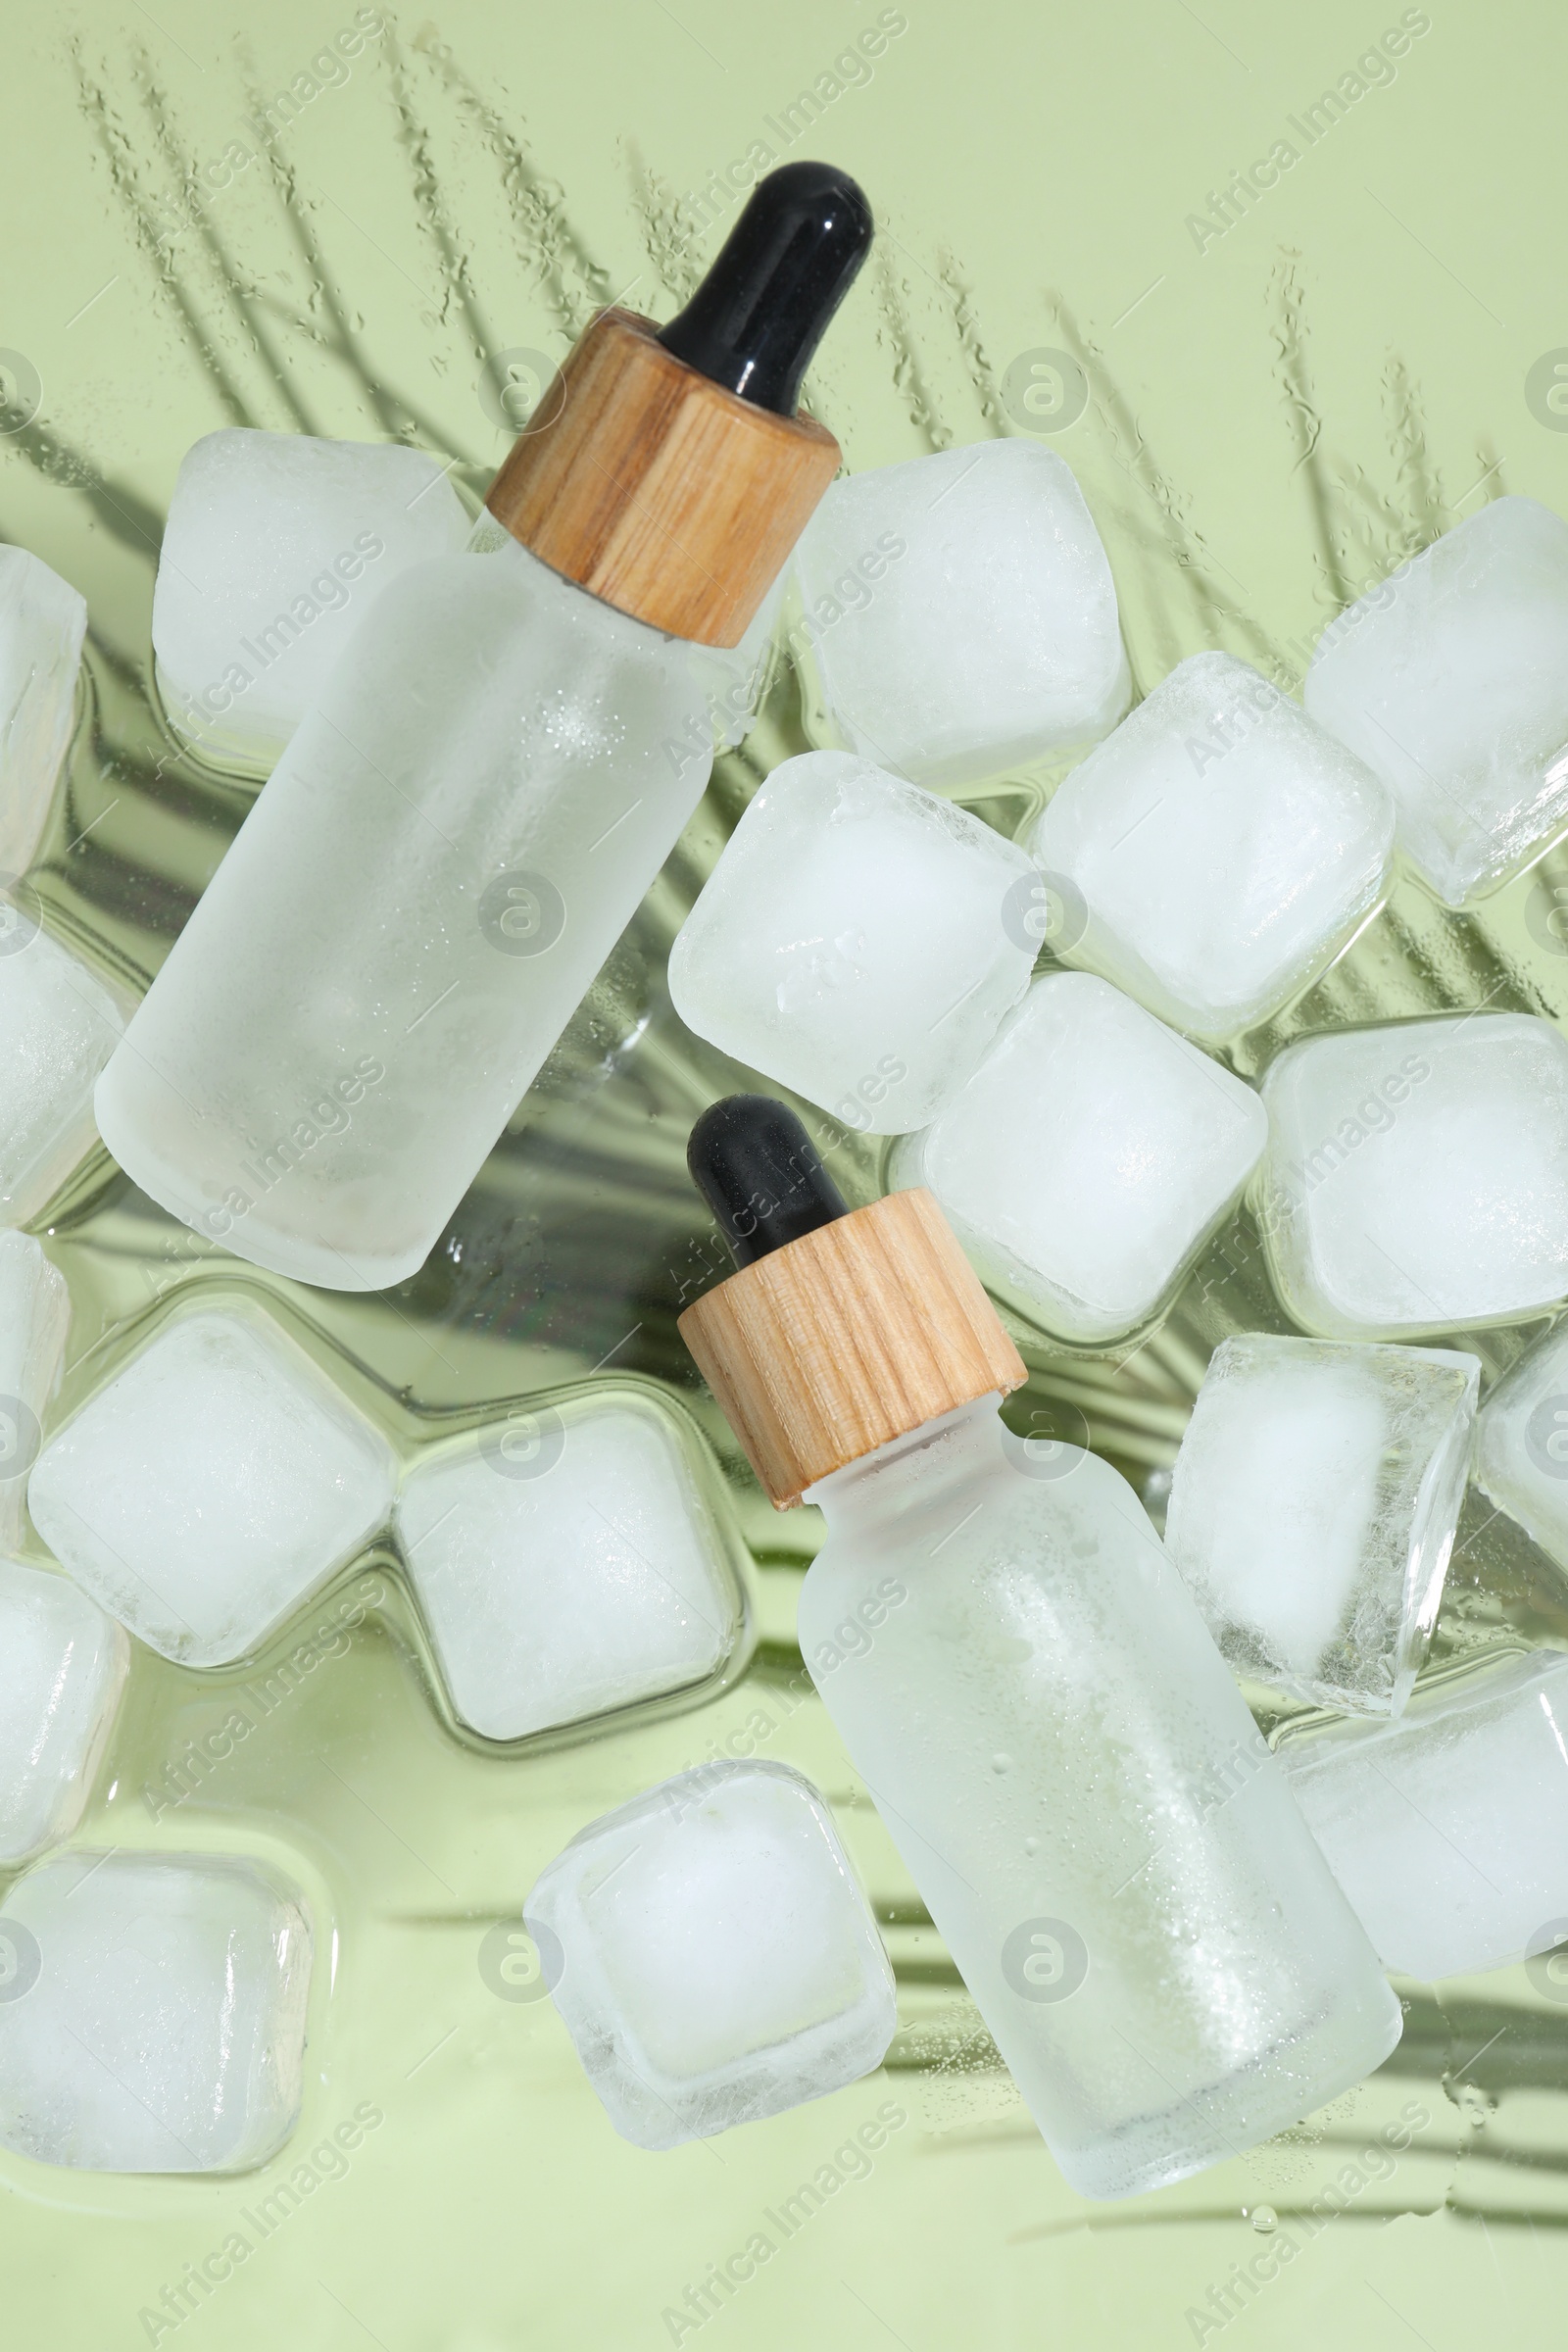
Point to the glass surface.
(219, 216)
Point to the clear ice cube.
(34, 1318)
(1312, 1510)
(59, 1024)
(1450, 680)
(42, 623)
(152, 2012)
(1521, 1453)
(62, 1669)
(859, 941)
(962, 611)
(275, 547)
(1417, 1175)
(711, 1954)
(567, 1563)
(1447, 1829)
(1223, 848)
(1089, 1159)
(211, 1486)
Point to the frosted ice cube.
(34, 1318)
(1089, 1159)
(58, 1026)
(1449, 1829)
(1450, 679)
(1223, 848)
(152, 2012)
(211, 1486)
(711, 1954)
(962, 612)
(859, 941)
(1417, 1175)
(275, 546)
(62, 1669)
(1312, 1510)
(42, 624)
(1521, 1454)
(567, 1563)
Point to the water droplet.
(1264, 2218)
(1031, 1845)
(1000, 1763)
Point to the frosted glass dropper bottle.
(466, 821)
(1056, 1748)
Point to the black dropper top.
(759, 1171)
(757, 316)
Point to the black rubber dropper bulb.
(759, 1171)
(757, 316)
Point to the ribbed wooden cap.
(656, 490)
(856, 1334)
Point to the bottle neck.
(918, 1471)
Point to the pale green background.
(1272, 422)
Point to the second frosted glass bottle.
(463, 824)
(1056, 1748)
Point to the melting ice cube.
(211, 1486)
(34, 1318)
(859, 941)
(62, 1669)
(152, 2012)
(1312, 1510)
(962, 611)
(58, 1026)
(712, 1955)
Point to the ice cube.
(1312, 1510)
(859, 941)
(34, 1318)
(1450, 679)
(568, 1562)
(152, 2012)
(1089, 1159)
(62, 1669)
(42, 624)
(711, 1954)
(58, 1026)
(962, 611)
(1222, 846)
(211, 1486)
(1449, 1828)
(1417, 1175)
(276, 545)
(1521, 1454)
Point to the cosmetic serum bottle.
(466, 819)
(1054, 1744)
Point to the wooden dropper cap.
(841, 1329)
(665, 470)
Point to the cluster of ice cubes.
(276, 545)
(211, 1486)
(567, 1563)
(859, 941)
(711, 1954)
(1312, 1510)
